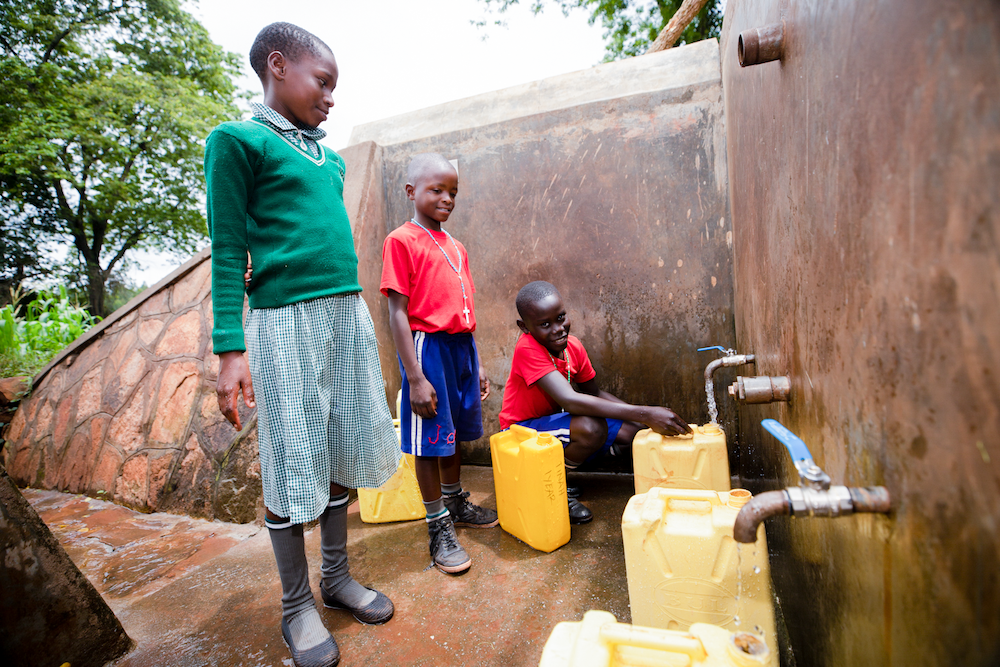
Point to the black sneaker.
(578, 512)
(447, 554)
(464, 513)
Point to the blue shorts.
(450, 363)
(558, 425)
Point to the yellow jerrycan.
(683, 565)
(529, 475)
(698, 460)
(398, 499)
(600, 641)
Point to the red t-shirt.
(522, 399)
(414, 266)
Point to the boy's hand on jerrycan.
(234, 376)
(423, 398)
(665, 422)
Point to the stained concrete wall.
(609, 183)
(864, 170)
(50, 613)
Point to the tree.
(630, 26)
(104, 107)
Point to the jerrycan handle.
(810, 473)
(660, 640)
(693, 494)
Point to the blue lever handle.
(796, 448)
(716, 347)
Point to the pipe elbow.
(712, 367)
(771, 503)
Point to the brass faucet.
(814, 496)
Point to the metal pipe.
(874, 499)
(761, 45)
(729, 360)
(761, 389)
(805, 501)
(768, 504)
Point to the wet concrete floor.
(192, 592)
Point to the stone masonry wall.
(129, 414)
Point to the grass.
(30, 336)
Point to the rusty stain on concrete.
(206, 592)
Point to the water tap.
(813, 497)
(730, 358)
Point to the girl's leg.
(338, 588)
(301, 625)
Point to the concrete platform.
(193, 592)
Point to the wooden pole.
(678, 22)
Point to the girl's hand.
(484, 384)
(234, 377)
(248, 276)
(423, 398)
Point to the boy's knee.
(590, 432)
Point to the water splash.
(713, 410)
(739, 583)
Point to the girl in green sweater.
(323, 424)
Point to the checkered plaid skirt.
(322, 416)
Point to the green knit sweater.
(286, 207)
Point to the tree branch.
(130, 242)
(93, 18)
(678, 22)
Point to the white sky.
(397, 56)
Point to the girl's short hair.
(290, 39)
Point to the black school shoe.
(325, 654)
(578, 512)
(464, 513)
(376, 612)
(447, 554)
(573, 491)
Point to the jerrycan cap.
(738, 498)
(545, 439)
(710, 429)
(748, 649)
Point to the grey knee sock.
(297, 604)
(333, 542)
(290, 553)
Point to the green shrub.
(30, 339)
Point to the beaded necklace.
(556, 367)
(458, 270)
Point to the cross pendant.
(466, 311)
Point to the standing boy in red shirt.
(540, 395)
(425, 275)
